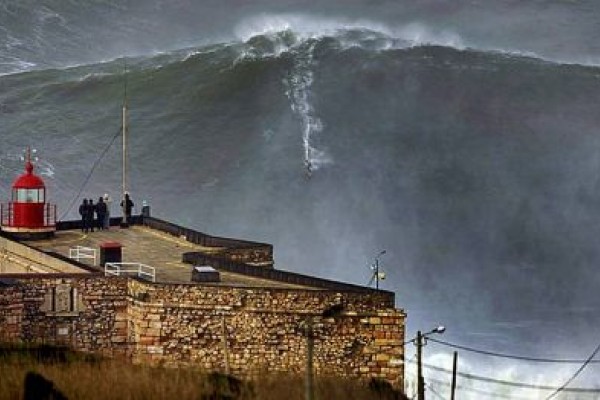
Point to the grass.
(77, 377)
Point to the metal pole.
(377, 273)
(225, 345)
(124, 178)
(420, 380)
(454, 362)
(124, 137)
(309, 389)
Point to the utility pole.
(454, 362)
(310, 342)
(225, 345)
(420, 380)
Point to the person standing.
(83, 211)
(107, 201)
(100, 213)
(90, 215)
(127, 206)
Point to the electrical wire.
(510, 383)
(479, 391)
(504, 355)
(89, 175)
(432, 390)
(562, 388)
(474, 390)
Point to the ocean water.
(474, 166)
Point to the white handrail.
(81, 252)
(142, 270)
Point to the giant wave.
(472, 168)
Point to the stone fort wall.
(255, 329)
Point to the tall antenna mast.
(124, 127)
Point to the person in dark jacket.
(91, 211)
(127, 206)
(100, 213)
(83, 211)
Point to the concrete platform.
(153, 248)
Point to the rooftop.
(160, 250)
(173, 252)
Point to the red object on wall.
(28, 213)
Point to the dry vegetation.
(82, 378)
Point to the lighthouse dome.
(28, 180)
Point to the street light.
(420, 341)
(440, 329)
(376, 274)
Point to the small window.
(30, 195)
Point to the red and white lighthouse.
(27, 214)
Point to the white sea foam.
(384, 36)
(45, 168)
(45, 15)
(298, 91)
(93, 75)
(304, 26)
(307, 26)
(15, 66)
(12, 41)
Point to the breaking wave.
(463, 162)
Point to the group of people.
(101, 211)
(87, 209)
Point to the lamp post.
(376, 274)
(420, 342)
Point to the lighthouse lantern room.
(28, 215)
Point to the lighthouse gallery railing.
(7, 215)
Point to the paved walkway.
(151, 247)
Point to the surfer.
(309, 168)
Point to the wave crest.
(349, 32)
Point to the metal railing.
(222, 263)
(80, 252)
(120, 268)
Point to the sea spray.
(298, 90)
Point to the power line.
(475, 390)
(478, 391)
(562, 388)
(89, 175)
(509, 383)
(435, 392)
(510, 356)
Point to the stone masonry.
(260, 329)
